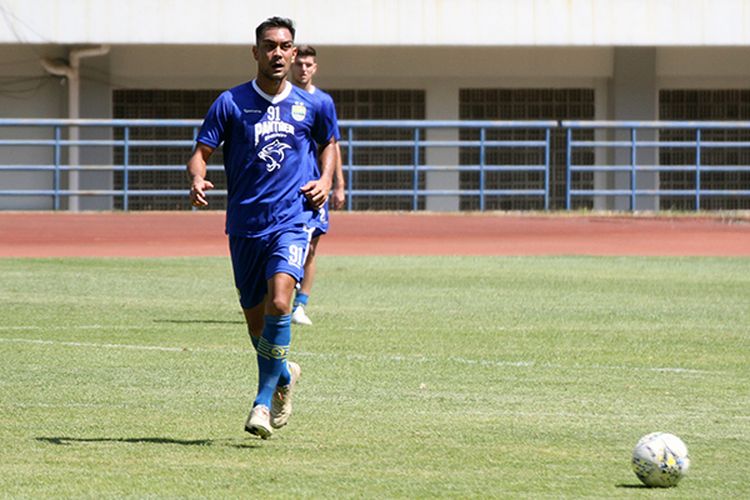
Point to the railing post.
(697, 170)
(195, 138)
(482, 138)
(350, 171)
(568, 165)
(633, 176)
(415, 177)
(56, 177)
(125, 161)
(546, 168)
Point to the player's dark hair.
(306, 51)
(274, 22)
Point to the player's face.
(303, 70)
(274, 54)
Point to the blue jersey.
(270, 148)
(326, 104)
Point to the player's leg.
(258, 422)
(273, 346)
(281, 400)
(284, 269)
(247, 265)
(278, 309)
(310, 269)
(273, 349)
(299, 316)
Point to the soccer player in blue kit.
(303, 70)
(272, 135)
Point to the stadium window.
(382, 104)
(161, 104)
(524, 104)
(704, 105)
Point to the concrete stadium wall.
(27, 91)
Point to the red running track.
(159, 234)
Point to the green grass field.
(422, 377)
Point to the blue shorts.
(319, 222)
(256, 260)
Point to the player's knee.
(279, 305)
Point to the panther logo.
(273, 154)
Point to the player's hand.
(198, 191)
(316, 192)
(338, 198)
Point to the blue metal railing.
(416, 167)
(54, 145)
(634, 144)
(57, 144)
(349, 144)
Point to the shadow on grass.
(66, 441)
(633, 486)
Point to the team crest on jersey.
(299, 111)
(273, 154)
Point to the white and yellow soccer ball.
(660, 459)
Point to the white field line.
(595, 366)
(359, 357)
(32, 328)
(92, 344)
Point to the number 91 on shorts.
(255, 260)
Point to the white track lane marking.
(359, 357)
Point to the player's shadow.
(67, 441)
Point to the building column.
(442, 104)
(96, 102)
(633, 96)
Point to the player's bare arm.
(196, 169)
(317, 191)
(338, 196)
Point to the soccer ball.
(660, 459)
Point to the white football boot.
(299, 317)
(259, 422)
(281, 403)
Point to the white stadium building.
(577, 60)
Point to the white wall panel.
(382, 22)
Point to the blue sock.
(300, 300)
(273, 349)
(286, 377)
